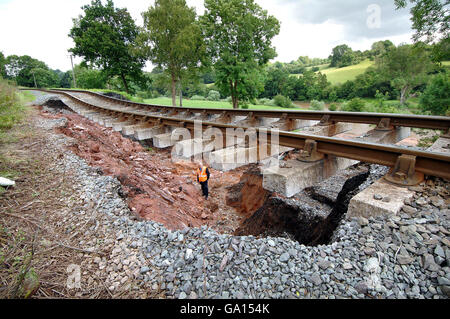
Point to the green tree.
(436, 98)
(172, 40)
(407, 67)
(239, 34)
(89, 78)
(105, 37)
(342, 56)
(431, 22)
(381, 47)
(2, 65)
(29, 72)
(430, 18)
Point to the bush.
(355, 105)
(317, 105)
(333, 107)
(436, 98)
(263, 101)
(11, 110)
(198, 98)
(144, 94)
(213, 96)
(282, 101)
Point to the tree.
(342, 56)
(407, 67)
(105, 37)
(239, 34)
(276, 82)
(430, 18)
(381, 47)
(431, 22)
(89, 78)
(436, 98)
(172, 40)
(2, 65)
(30, 72)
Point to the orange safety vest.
(202, 176)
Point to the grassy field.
(337, 76)
(209, 104)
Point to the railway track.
(408, 165)
(381, 120)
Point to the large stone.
(365, 205)
(294, 176)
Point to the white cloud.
(40, 29)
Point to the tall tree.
(342, 56)
(239, 37)
(431, 21)
(407, 67)
(430, 18)
(381, 47)
(105, 36)
(172, 39)
(30, 72)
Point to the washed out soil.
(156, 188)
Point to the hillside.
(336, 76)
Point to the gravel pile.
(404, 256)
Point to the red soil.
(157, 189)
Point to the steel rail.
(329, 117)
(429, 163)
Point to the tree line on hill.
(227, 50)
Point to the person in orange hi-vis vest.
(202, 178)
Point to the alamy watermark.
(374, 19)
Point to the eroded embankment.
(156, 188)
(311, 216)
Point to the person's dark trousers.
(205, 189)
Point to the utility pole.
(73, 72)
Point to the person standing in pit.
(203, 178)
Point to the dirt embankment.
(155, 187)
(248, 195)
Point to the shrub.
(333, 107)
(355, 105)
(317, 105)
(11, 110)
(436, 97)
(213, 96)
(144, 94)
(198, 98)
(264, 101)
(282, 101)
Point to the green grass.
(208, 104)
(12, 108)
(337, 76)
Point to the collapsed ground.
(64, 212)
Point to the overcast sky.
(308, 27)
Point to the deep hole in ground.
(312, 216)
(158, 189)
